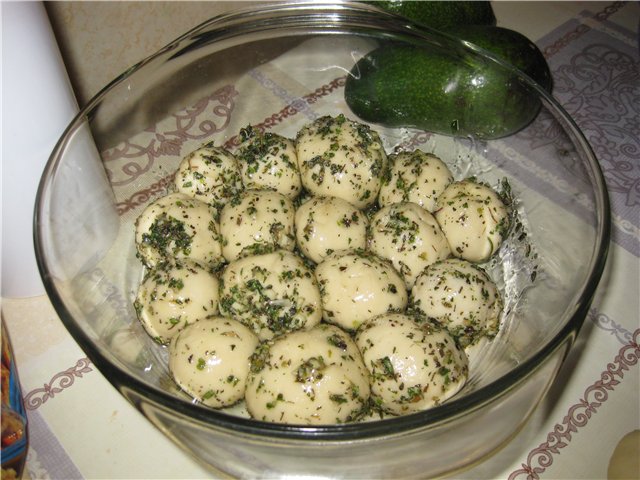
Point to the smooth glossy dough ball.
(473, 218)
(356, 286)
(310, 377)
(341, 158)
(409, 237)
(257, 220)
(268, 161)
(416, 177)
(210, 174)
(210, 360)
(460, 296)
(413, 366)
(178, 226)
(173, 295)
(271, 293)
(325, 225)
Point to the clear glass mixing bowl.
(277, 68)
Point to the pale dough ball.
(325, 225)
(255, 221)
(416, 177)
(473, 218)
(341, 158)
(178, 226)
(356, 286)
(310, 377)
(409, 237)
(413, 366)
(210, 174)
(210, 360)
(272, 293)
(268, 161)
(461, 297)
(173, 295)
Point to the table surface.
(589, 424)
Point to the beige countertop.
(100, 40)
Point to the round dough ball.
(416, 177)
(258, 220)
(210, 174)
(325, 225)
(413, 366)
(173, 295)
(473, 218)
(268, 161)
(461, 297)
(409, 237)
(210, 360)
(272, 293)
(310, 377)
(341, 158)
(356, 286)
(178, 226)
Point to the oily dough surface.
(308, 377)
(325, 225)
(356, 286)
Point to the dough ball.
(256, 221)
(356, 286)
(272, 293)
(210, 174)
(413, 366)
(409, 237)
(461, 297)
(341, 158)
(178, 226)
(415, 177)
(325, 225)
(173, 295)
(268, 161)
(310, 377)
(473, 218)
(210, 360)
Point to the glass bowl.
(277, 68)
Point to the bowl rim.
(262, 16)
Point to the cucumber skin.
(511, 46)
(407, 86)
(474, 21)
(441, 14)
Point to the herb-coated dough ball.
(210, 360)
(268, 161)
(256, 220)
(416, 177)
(178, 226)
(271, 293)
(309, 377)
(473, 218)
(460, 296)
(409, 237)
(413, 366)
(173, 295)
(325, 225)
(356, 286)
(342, 158)
(210, 174)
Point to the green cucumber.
(510, 46)
(474, 21)
(441, 14)
(408, 86)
